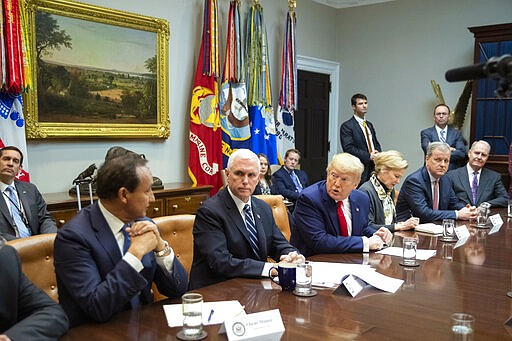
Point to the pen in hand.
(210, 316)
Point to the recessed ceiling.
(349, 3)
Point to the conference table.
(473, 278)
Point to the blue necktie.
(17, 216)
(296, 181)
(251, 228)
(443, 138)
(474, 186)
(135, 300)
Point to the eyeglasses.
(442, 114)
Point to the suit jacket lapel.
(5, 211)
(463, 177)
(482, 183)
(262, 241)
(332, 209)
(355, 212)
(428, 183)
(104, 235)
(25, 201)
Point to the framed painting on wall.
(96, 72)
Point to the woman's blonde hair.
(390, 159)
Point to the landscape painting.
(95, 76)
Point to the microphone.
(495, 67)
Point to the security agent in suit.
(356, 140)
(26, 312)
(487, 184)
(317, 223)
(224, 243)
(451, 136)
(34, 214)
(96, 280)
(417, 194)
(283, 178)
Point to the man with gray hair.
(475, 184)
(428, 194)
(331, 216)
(234, 232)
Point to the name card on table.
(265, 325)
(462, 232)
(496, 222)
(353, 285)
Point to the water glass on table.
(462, 326)
(410, 246)
(192, 307)
(449, 230)
(482, 215)
(509, 213)
(304, 279)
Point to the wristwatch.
(165, 251)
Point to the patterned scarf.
(385, 198)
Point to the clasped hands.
(145, 237)
(380, 237)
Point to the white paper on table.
(222, 310)
(327, 274)
(379, 280)
(429, 228)
(421, 254)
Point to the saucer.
(312, 293)
(409, 264)
(448, 239)
(182, 336)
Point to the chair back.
(224, 178)
(279, 211)
(36, 253)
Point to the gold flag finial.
(292, 4)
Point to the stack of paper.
(421, 254)
(429, 228)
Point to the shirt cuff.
(456, 215)
(133, 261)
(266, 269)
(166, 262)
(366, 244)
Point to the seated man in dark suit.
(441, 132)
(234, 232)
(23, 210)
(287, 180)
(26, 312)
(428, 194)
(331, 216)
(109, 254)
(475, 184)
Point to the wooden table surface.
(475, 281)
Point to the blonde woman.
(390, 167)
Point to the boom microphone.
(496, 67)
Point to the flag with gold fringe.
(285, 118)
(205, 155)
(234, 115)
(259, 98)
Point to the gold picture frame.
(95, 72)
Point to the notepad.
(429, 228)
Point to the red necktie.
(342, 220)
(435, 204)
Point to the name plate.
(462, 232)
(353, 285)
(496, 222)
(265, 325)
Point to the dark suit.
(353, 142)
(415, 199)
(453, 138)
(376, 216)
(221, 241)
(39, 219)
(284, 185)
(26, 312)
(316, 227)
(94, 282)
(490, 188)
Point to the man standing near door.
(358, 136)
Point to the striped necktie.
(17, 215)
(296, 181)
(474, 186)
(368, 139)
(251, 228)
(442, 137)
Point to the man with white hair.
(331, 216)
(234, 232)
(475, 184)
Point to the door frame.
(332, 69)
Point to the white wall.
(389, 51)
(55, 163)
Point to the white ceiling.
(349, 3)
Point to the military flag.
(259, 98)
(234, 114)
(205, 155)
(287, 108)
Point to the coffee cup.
(286, 273)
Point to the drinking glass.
(462, 326)
(448, 230)
(409, 252)
(192, 307)
(483, 215)
(509, 213)
(304, 279)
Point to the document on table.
(213, 312)
(379, 280)
(326, 274)
(421, 254)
